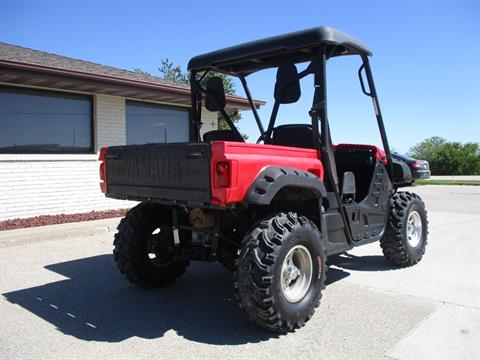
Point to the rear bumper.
(421, 174)
(167, 202)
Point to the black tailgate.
(172, 172)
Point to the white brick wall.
(34, 185)
(110, 123)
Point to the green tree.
(140, 71)
(427, 148)
(448, 158)
(175, 73)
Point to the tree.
(140, 71)
(427, 148)
(175, 73)
(448, 158)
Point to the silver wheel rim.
(414, 229)
(296, 274)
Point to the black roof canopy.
(296, 47)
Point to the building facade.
(57, 112)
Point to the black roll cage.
(318, 112)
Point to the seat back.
(295, 135)
(220, 135)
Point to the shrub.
(448, 158)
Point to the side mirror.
(348, 187)
(215, 99)
(287, 87)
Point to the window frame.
(57, 93)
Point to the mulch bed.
(60, 219)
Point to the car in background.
(420, 168)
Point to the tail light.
(222, 174)
(103, 169)
(417, 165)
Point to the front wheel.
(405, 238)
(281, 272)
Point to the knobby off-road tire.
(404, 242)
(258, 276)
(133, 245)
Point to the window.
(151, 123)
(37, 121)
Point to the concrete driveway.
(63, 298)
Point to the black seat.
(295, 135)
(220, 135)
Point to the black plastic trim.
(274, 178)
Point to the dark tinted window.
(403, 157)
(150, 123)
(35, 121)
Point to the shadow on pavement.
(348, 261)
(335, 274)
(96, 303)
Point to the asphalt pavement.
(63, 298)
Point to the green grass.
(447, 182)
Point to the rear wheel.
(405, 238)
(281, 272)
(143, 247)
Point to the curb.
(57, 232)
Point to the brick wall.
(34, 185)
(110, 124)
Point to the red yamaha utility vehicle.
(271, 212)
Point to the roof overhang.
(28, 74)
(293, 47)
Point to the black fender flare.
(273, 178)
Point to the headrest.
(296, 135)
(220, 135)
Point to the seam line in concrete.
(441, 302)
(414, 329)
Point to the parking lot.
(64, 298)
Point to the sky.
(426, 54)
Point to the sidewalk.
(57, 232)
